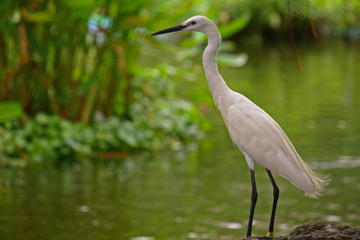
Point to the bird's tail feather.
(319, 180)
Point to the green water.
(205, 194)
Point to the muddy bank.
(319, 231)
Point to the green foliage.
(234, 26)
(53, 61)
(52, 138)
(9, 111)
(157, 121)
(330, 17)
(47, 138)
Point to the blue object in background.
(98, 25)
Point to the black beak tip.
(155, 33)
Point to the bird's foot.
(270, 234)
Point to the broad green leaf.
(9, 111)
(232, 60)
(234, 26)
(41, 16)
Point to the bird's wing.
(259, 137)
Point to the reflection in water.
(229, 225)
(333, 218)
(343, 162)
(142, 238)
(83, 209)
(205, 194)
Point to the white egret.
(252, 130)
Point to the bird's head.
(196, 23)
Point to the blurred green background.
(108, 133)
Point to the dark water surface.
(205, 194)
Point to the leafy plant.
(9, 111)
(158, 120)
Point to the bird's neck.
(216, 83)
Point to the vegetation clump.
(51, 138)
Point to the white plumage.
(263, 141)
(252, 130)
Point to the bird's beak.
(170, 29)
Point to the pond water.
(205, 194)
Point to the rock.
(318, 231)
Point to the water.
(205, 194)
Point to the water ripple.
(229, 225)
(342, 162)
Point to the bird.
(255, 133)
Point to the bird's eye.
(193, 22)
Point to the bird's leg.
(276, 197)
(253, 202)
